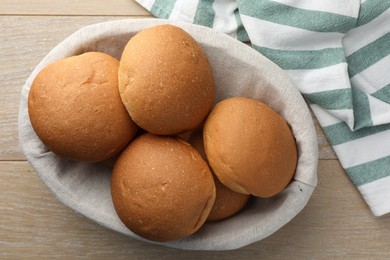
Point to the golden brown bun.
(161, 188)
(76, 111)
(250, 147)
(165, 80)
(110, 162)
(227, 202)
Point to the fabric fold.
(337, 53)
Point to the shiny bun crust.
(165, 80)
(161, 188)
(250, 147)
(76, 111)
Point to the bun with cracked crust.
(76, 110)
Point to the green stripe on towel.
(305, 19)
(368, 55)
(242, 35)
(205, 13)
(361, 109)
(163, 8)
(340, 133)
(383, 94)
(370, 171)
(331, 99)
(308, 59)
(370, 9)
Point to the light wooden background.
(335, 224)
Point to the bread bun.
(165, 80)
(161, 188)
(110, 162)
(227, 202)
(250, 147)
(76, 111)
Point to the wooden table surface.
(336, 223)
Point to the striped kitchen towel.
(337, 52)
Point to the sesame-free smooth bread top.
(161, 188)
(227, 202)
(250, 147)
(76, 111)
(165, 80)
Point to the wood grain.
(72, 7)
(22, 48)
(336, 223)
